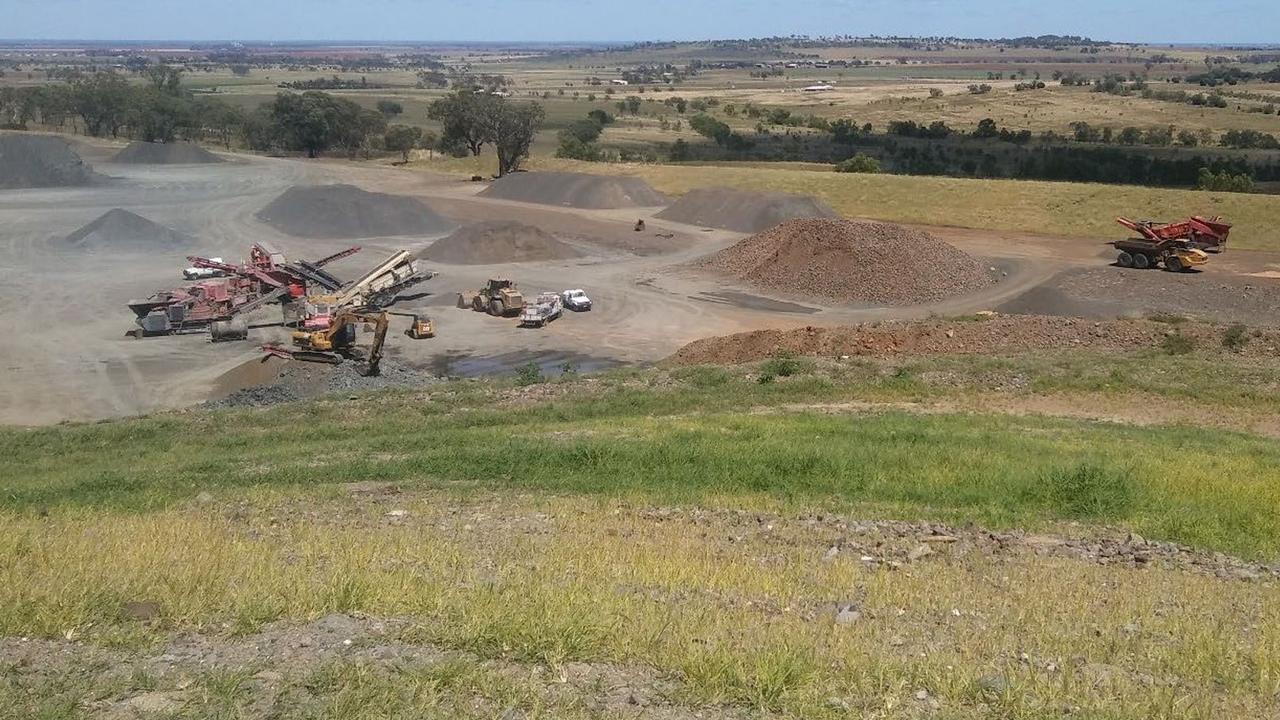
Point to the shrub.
(859, 163)
(1177, 344)
(529, 374)
(785, 364)
(1224, 181)
(1235, 337)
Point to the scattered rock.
(920, 551)
(204, 498)
(994, 684)
(141, 610)
(153, 703)
(922, 694)
(848, 614)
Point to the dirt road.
(66, 356)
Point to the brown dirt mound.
(174, 153)
(742, 210)
(346, 211)
(577, 190)
(122, 230)
(855, 262)
(498, 241)
(996, 335)
(39, 161)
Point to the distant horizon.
(1148, 22)
(369, 42)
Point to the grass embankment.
(1081, 210)
(526, 537)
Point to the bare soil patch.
(174, 153)
(852, 262)
(498, 241)
(1003, 334)
(40, 161)
(576, 190)
(123, 230)
(743, 211)
(346, 211)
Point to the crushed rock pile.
(123, 230)
(743, 210)
(986, 335)
(346, 211)
(40, 161)
(174, 153)
(300, 380)
(852, 262)
(498, 241)
(576, 190)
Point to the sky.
(1157, 21)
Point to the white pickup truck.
(201, 273)
(547, 307)
(576, 300)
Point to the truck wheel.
(1173, 263)
(1140, 261)
(497, 309)
(1124, 259)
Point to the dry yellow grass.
(740, 609)
(1080, 210)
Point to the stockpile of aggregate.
(346, 211)
(743, 210)
(852, 262)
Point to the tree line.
(107, 104)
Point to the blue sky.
(1223, 21)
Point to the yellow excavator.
(337, 341)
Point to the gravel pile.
(995, 335)
(122, 230)
(40, 161)
(742, 210)
(498, 241)
(577, 190)
(174, 153)
(300, 380)
(852, 262)
(346, 211)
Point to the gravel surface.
(577, 190)
(40, 161)
(346, 211)
(498, 241)
(174, 153)
(299, 380)
(741, 210)
(1113, 291)
(1001, 334)
(122, 230)
(852, 262)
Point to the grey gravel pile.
(576, 190)
(41, 161)
(742, 210)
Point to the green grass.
(691, 441)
